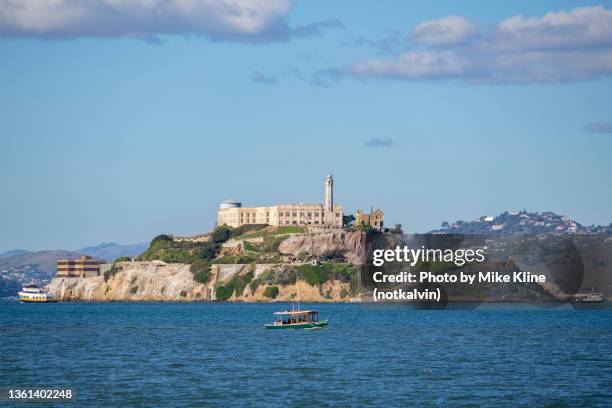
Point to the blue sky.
(121, 133)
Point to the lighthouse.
(329, 200)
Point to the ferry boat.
(33, 294)
(592, 297)
(297, 319)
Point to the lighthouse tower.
(329, 200)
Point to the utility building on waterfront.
(83, 267)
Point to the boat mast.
(298, 296)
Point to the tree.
(224, 292)
(367, 228)
(162, 237)
(348, 220)
(271, 292)
(201, 271)
(220, 234)
(207, 251)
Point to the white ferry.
(592, 297)
(34, 294)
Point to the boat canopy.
(296, 312)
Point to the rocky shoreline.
(159, 281)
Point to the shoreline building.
(84, 267)
(315, 216)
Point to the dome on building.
(229, 203)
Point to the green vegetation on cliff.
(246, 229)
(291, 229)
(271, 292)
(165, 248)
(262, 230)
(179, 251)
(201, 271)
(238, 259)
(114, 268)
(220, 234)
(318, 274)
(314, 275)
(237, 284)
(285, 276)
(269, 245)
(256, 244)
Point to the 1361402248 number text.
(40, 393)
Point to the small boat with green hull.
(297, 319)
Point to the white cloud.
(581, 27)
(557, 47)
(445, 31)
(315, 29)
(425, 64)
(253, 20)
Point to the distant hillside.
(40, 266)
(522, 222)
(13, 252)
(8, 287)
(19, 266)
(111, 251)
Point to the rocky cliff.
(133, 281)
(351, 245)
(354, 246)
(319, 267)
(158, 281)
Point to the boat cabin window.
(298, 317)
